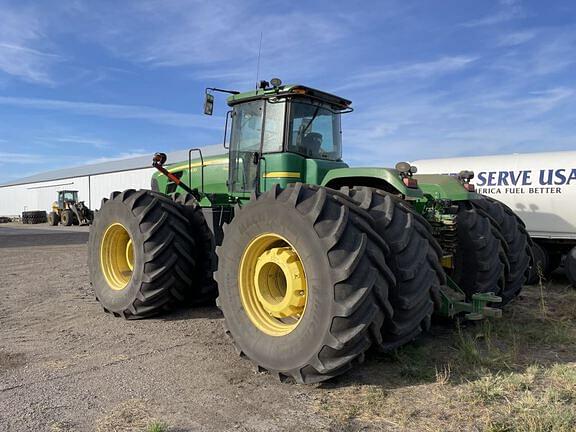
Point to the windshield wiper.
(302, 132)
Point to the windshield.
(315, 131)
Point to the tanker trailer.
(539, 187)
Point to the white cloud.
(516, 38)
(21, 35)
(407, 72)
(508, 10)
(120, 156)
(134, 112)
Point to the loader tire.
(140, 254)
(316, 319)
(204, 288)
(518, 250)
(480, 262)
(67, 218)
(414, 258)
(53, 218)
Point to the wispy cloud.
(94, 142)
(406, 72)
(508, 10)
(120, 156)
(21, 35)
(21, 158)
(133, 112)
(516, 38)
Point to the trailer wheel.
(204, 288)
(570, 266)
(53, 218)
(67, 217)
(303, 282)
(140, 254)
(518, 251)
(414, 258)
(480, 263)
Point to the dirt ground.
(67, 366)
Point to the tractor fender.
(442, 186)
(385, 179)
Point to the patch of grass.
(157, 426)
(518, 374)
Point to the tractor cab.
(276, 129)
(67, 196)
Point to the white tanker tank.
(539, 187)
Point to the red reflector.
(469, 187)
(410, 182)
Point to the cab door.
(257, 129)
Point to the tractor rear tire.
(53, 218)
(67, 217)
(414, 258)
(204, 288)
(518, 250)
(140, 254)
(480, 263)
(337, 261)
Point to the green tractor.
(312, 262)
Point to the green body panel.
(443, 187)
(371, 177)
(215, 175)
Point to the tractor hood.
(387, 179)
(444, 187)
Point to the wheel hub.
(273, 286)
(117, 256)
(280, 283)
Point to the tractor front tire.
(480, 263)
(140, 254)
(414, 258)
(53, 218)
(67, 218)
(303, 283)
(518, 250)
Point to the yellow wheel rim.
(273, 286)
(117, 256)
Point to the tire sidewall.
(305, 341)
(115, 211)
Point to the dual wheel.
(144, 255)
(311, 278)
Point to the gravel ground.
(67, 366)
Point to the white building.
(93, 182)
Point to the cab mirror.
(256, 158)
(208, 104)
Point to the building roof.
(111, 166)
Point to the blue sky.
(85, 81)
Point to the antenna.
(258, 64)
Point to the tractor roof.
(290, 90)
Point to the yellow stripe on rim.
(117, 256)
(283, 174)
(273, 285)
